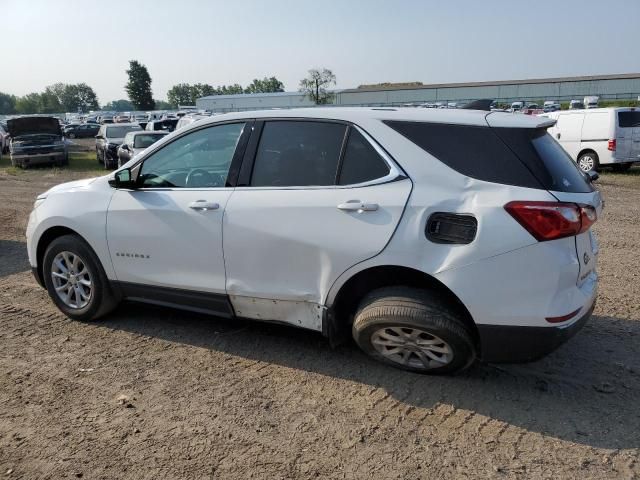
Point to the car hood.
(70, 186)
(33, 125)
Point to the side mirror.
(122, 179)
(593, 175)
(99, 136)
(124, 146)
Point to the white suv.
(434, 237)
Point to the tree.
(30, 103)
(234, 89)
(200, 90)
(79, 97)
(180, 94)
(162, 105)
(119, 106)
(49, 102)
(7, 103)
(316, 83)
(266, 85)
(139, 86)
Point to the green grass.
(78, 162)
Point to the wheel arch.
(48, 236)
(587, 150)
(342, 306)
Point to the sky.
(361, 41)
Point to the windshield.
(119, 132)
(146, 140)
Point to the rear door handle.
(358, 206)
(203, 205)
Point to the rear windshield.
(510, 156)
(629, 119)
(120, 132)
(146, 140)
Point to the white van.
(599, 136)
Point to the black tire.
(621, 167)
(98, 156)
(102, 299)
(589, 158)
(72, 135)
(411, 308)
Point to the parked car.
(4, 138)
(576, 105)
(591, 101)
(83, 130)
(168, 124)
(36, 141)
(598, 137)
(135, 142)
(189, 119)
(108, 140)
(550, 106)
(446, 235)
(517, 106)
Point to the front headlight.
(39, 201)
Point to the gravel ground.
(155, 393)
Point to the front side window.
(298, 153)
(199, 159)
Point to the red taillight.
(552, 220)
(611, 145)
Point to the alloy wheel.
(412, 347)
(71, 280)
(586, 163)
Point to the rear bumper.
(514, 344)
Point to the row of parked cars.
(43, 140)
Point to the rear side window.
(470, 150)
(521, 157)
(546, 159)
(298, 154)
(361, 162)
(629, 119)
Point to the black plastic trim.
(512, 344)
(451, 228)
(201, 302)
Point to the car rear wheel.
(414, 330)
(72, 135)
(588, 161)
(75, 279)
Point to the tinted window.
(145, 140)
(297, 153)
(361, 162)
(120, 132)
(628, 119)
(473, 151)
(196, 160)
(546, 159)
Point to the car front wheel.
(412, 329)
(75, 279)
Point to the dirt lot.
(160, 394)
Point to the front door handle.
(203, 205)
(358, 206)
(558, 136)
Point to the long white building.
(623, 86)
